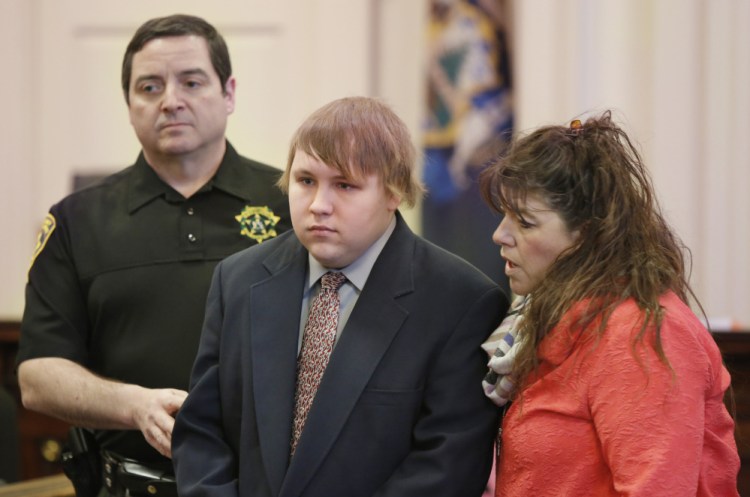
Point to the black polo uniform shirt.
(121, 272)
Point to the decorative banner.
(469, 121)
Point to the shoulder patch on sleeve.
(48, 226)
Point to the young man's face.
(177, 105)
(336, 218)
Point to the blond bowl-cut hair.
(360, 136)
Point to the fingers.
(173, 400)
(160, 439)
(156, 419)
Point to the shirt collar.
(231, 176)
(146, 185)
(358, 271)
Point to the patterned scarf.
(501, 346)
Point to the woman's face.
(530, 242)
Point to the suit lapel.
(276, 304)
(372, 325)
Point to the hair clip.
(576, 128)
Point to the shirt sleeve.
(55, 321)
(649, 416)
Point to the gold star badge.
(258, 223)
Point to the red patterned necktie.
(317, 344)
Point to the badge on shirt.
(48, 226)
(258, 223)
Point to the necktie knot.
(332, 281)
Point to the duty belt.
(125, 477)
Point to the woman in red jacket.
(616, 386)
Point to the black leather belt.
(125, 477)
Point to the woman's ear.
(579, 232)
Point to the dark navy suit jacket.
(400, 410)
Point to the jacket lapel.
(274, 320)
(372, 325)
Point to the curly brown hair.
(594, 177)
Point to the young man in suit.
(397, 411)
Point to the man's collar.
(231, 177)
(146, 185)
(358, 271)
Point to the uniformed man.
(117, 287)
